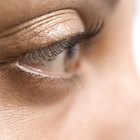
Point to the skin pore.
(100, 99)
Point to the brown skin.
(102, 104)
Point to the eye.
(60, 59)
(42, 58)
(53, 61)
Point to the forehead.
(14, 12)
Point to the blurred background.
(136, 42)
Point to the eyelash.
(50, 52)
(70, 43)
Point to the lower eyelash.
(32, 72)
(39, 73)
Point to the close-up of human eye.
(69, 70)
(52, 50)
(59, 59)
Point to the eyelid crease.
(36, 20)
(43, 35)
(39, 73)
(90, 32)
(75, 39)
(43, 29)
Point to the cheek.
(35, 92)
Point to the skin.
(102, 104)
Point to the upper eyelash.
(90, 32)
(49, 52)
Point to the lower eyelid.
(40, 73)
(25, 89)
(37, 66)
(30, 90)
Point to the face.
(66, 70)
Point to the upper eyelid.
(26, 30)
(74, 39)
(21, 46)
(83, 35)
(33, 22)
(77, 38)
